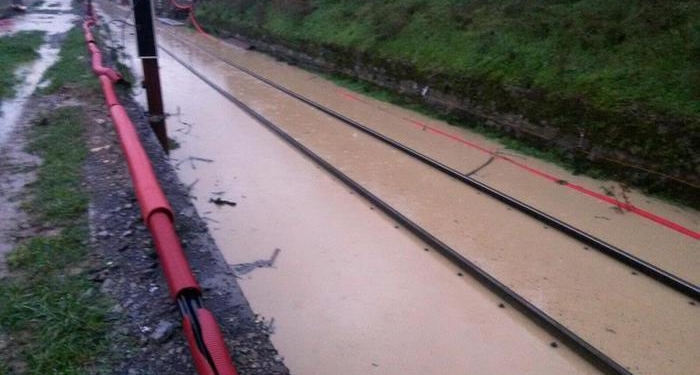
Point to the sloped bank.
(644, 146)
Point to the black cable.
(189, 301)
(482, 166)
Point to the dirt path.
(16, 172)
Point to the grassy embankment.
(624, 73)
(53, 313)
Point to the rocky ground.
(130, 272)
(147, 336)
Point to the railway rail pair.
(583, 348)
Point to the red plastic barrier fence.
(207, 345)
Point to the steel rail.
(675, 282)
(594, 356)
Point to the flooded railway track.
(673, 281)
(596, 357)
(559, 330)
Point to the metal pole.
(146, 40)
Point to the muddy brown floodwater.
(350, 292)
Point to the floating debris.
(222, 202)
(192, 159)
(246, 268)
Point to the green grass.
(56, 319)
(614, 53)
(58, 197)
(58, 184)
(15, 50)
(52, 312)
(50, 305)
(72, 70)
(43, 255)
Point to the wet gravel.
(148, 337)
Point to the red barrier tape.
(193, 20)
(623, 205)
(201, 328)
(626, 206)
(180, 6)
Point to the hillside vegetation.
(625, 72)
(613, 52)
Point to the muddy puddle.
(11, 110)
(50, 19)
